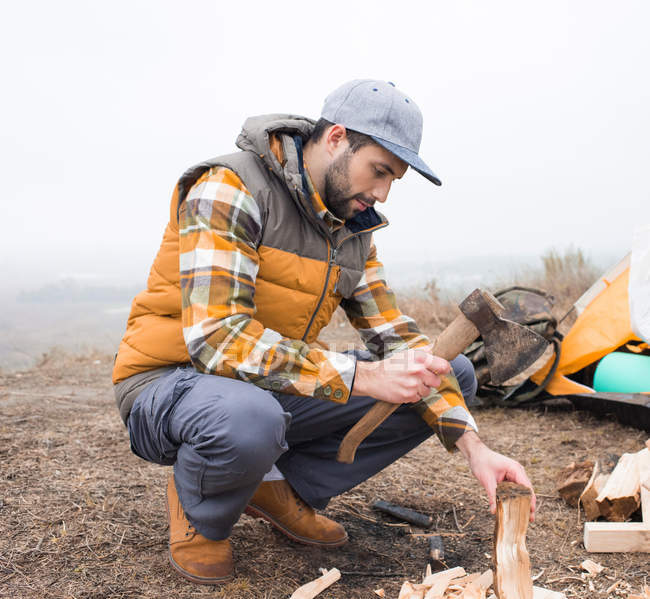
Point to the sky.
(535, 118)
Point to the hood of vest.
(256, 135)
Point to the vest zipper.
(330, 264)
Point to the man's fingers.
(435, 364)
(518, 475)
(439, 365)
(492, 496)
(430, 379)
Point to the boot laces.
(300, 502)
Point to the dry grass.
(565, 275)
(81, 517)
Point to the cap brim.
(410, 157)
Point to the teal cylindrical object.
(620, 372)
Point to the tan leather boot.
(277, 503)
(196, 558)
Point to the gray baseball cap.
(380, 110)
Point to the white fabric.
(273, 474)
(639, 290)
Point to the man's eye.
(379, 173)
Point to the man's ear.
(336, 140)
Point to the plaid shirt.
(220, 229)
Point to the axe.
(510, 348)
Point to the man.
(219, 372)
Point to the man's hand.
(404, 377)
(490, 468)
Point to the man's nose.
(380, 193)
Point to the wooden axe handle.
(452, 341)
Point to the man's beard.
(337, 189)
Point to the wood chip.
(313, 588)
(592, 567)
(380, 593)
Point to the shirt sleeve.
(372, 309)
(220, 227)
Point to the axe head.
(510, 348)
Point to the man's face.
(354, 181)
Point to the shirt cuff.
(453, 424)
(444, 410)
(336, 377)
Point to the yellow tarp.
(602, 327)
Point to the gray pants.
(223, 435)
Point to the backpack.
(533, 309)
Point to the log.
(621, 496)
(591, 491)
(511, 561)
(404, 513)
(436, 553)
(313, 588)
(617, 537)
(572, 480)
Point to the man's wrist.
(468, 442)
(360, 383)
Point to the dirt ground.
(81, 517)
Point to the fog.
(536, 120)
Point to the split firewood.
(439, 581)
(412, 591)
(591, 491)
(645, 501)
(572, 480)
(477, 589)
(541, 593)
(592, 567)
(404, 513)
(313, 588)
(427, 572)
(621, 494)
(512, 564)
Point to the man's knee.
(233, 425)
(464, 373)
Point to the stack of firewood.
(614, 497)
